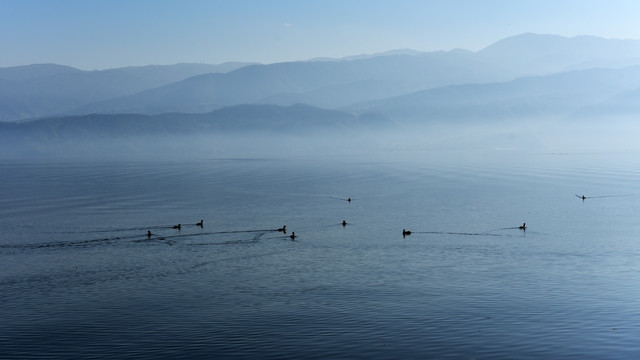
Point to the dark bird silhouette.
(523, 226)
(177, 226)
(283, 229)
(583, 197)
(344, 223)
(201, 223)
(349, 200)
(293, 235)
(149, 233)
(405, 232)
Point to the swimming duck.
(293, 235)
(283, 229)
(200, 223)
(344, 223)
(349, 199)
(149, 233)
(177, 226)
(523, 226)
(405, 232)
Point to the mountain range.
(526, 76)
(43, 90)
(552, 96)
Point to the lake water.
(79, 278)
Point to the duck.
(344, 223)
(405, 232)
(293, 235)
(149, 233)
(283, 229)
(201, 223)
(349, 199)
(177, 226)
(523, 226)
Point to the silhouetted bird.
(201, 223)
(344, 223)
(523, 226)
(583, 197)
(405, 232)
(283, 229)
(293, 235)
(177, 226)
(349, 199)
(149, 233)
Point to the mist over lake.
(343, 200)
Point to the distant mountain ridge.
(47, 89)
(339, 83)
(622, 105)
(558, 96)
(554, 53)
(102, 134)
(369, 56)
(240, 118)
(293, 81)
(28, 72)
(525, 75)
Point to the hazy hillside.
(520, 76)
(45, 90)
(28, 72)
(260, 83)
(341, 95)
(625, 105)
(335, 84)
(241, 118)
(545, 54)
(551, 96)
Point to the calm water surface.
(79, 278)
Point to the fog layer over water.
(401, 141)
(81, 278)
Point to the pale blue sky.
(99, 34)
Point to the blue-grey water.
(79, 278)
